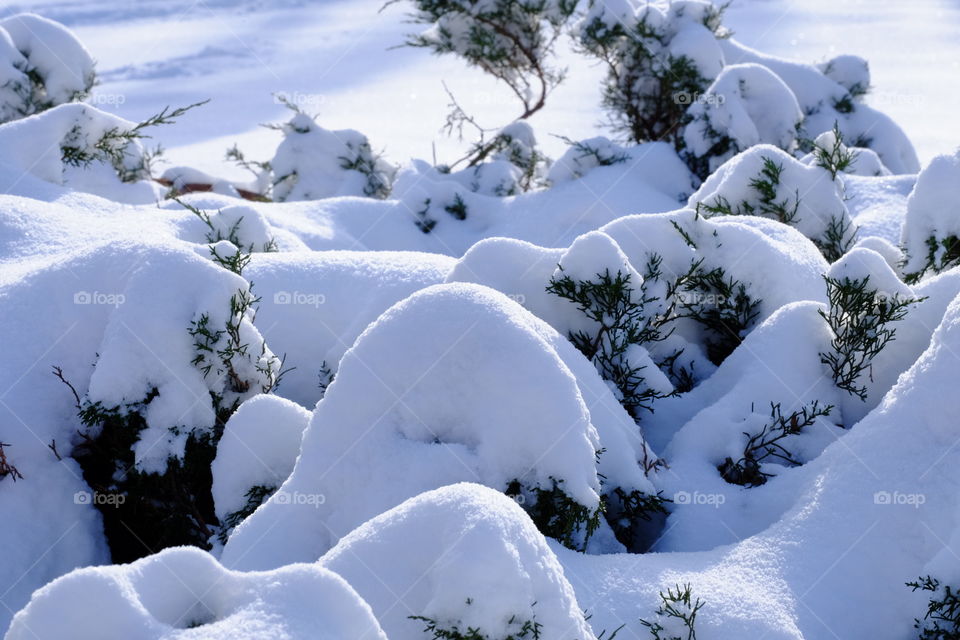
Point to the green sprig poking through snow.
(676, 617)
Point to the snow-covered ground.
(396, 402)
(335, 58)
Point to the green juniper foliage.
(256, 495)
(860, 318)
(512, 40)
(768, 444)
(237, 260)
(644, 80)
(154, 510)
(720, 304)
(765, 185)
(628, 512)
(556, 514)
(458, 208)
(678, 611)
(836, 158)
(942, 619)
(526, 629)
(610, 301)
(942, 254)
(422, 218)
(601, 157)
(114, 146)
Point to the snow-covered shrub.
(659, 57)
(184, 593)
(178, 357)
(422, 422)
(42, 65)
(861, 315)
(312, 163)
(79, 146)
(455, 559)
(583, 156)
(931, 228)
(829, 152)
(255, 454)
(233, 234)
(512, 40)
(832, 94)
(850, 72)
(765, 181)
(746, 105)
(507, 164)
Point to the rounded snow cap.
(464, 556)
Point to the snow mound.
(766, 181)
(455, 404)
(183, 593)
(832, 95)
(313, 163)
(66, 146)
(746, 105)
(932, 223)
(42, 64)
(311, 306)
(258, 448)
(464, 556)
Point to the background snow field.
(674, 356)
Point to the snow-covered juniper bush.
(861, 319)
(649, 85)
(117, 146)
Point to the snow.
(748, 104)
(459, 544)
(259, 447)
(931, 210)
(49, 50)
(425, 424)
(184, 593)
(35, 147)
(428, 367)
(817, 199)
